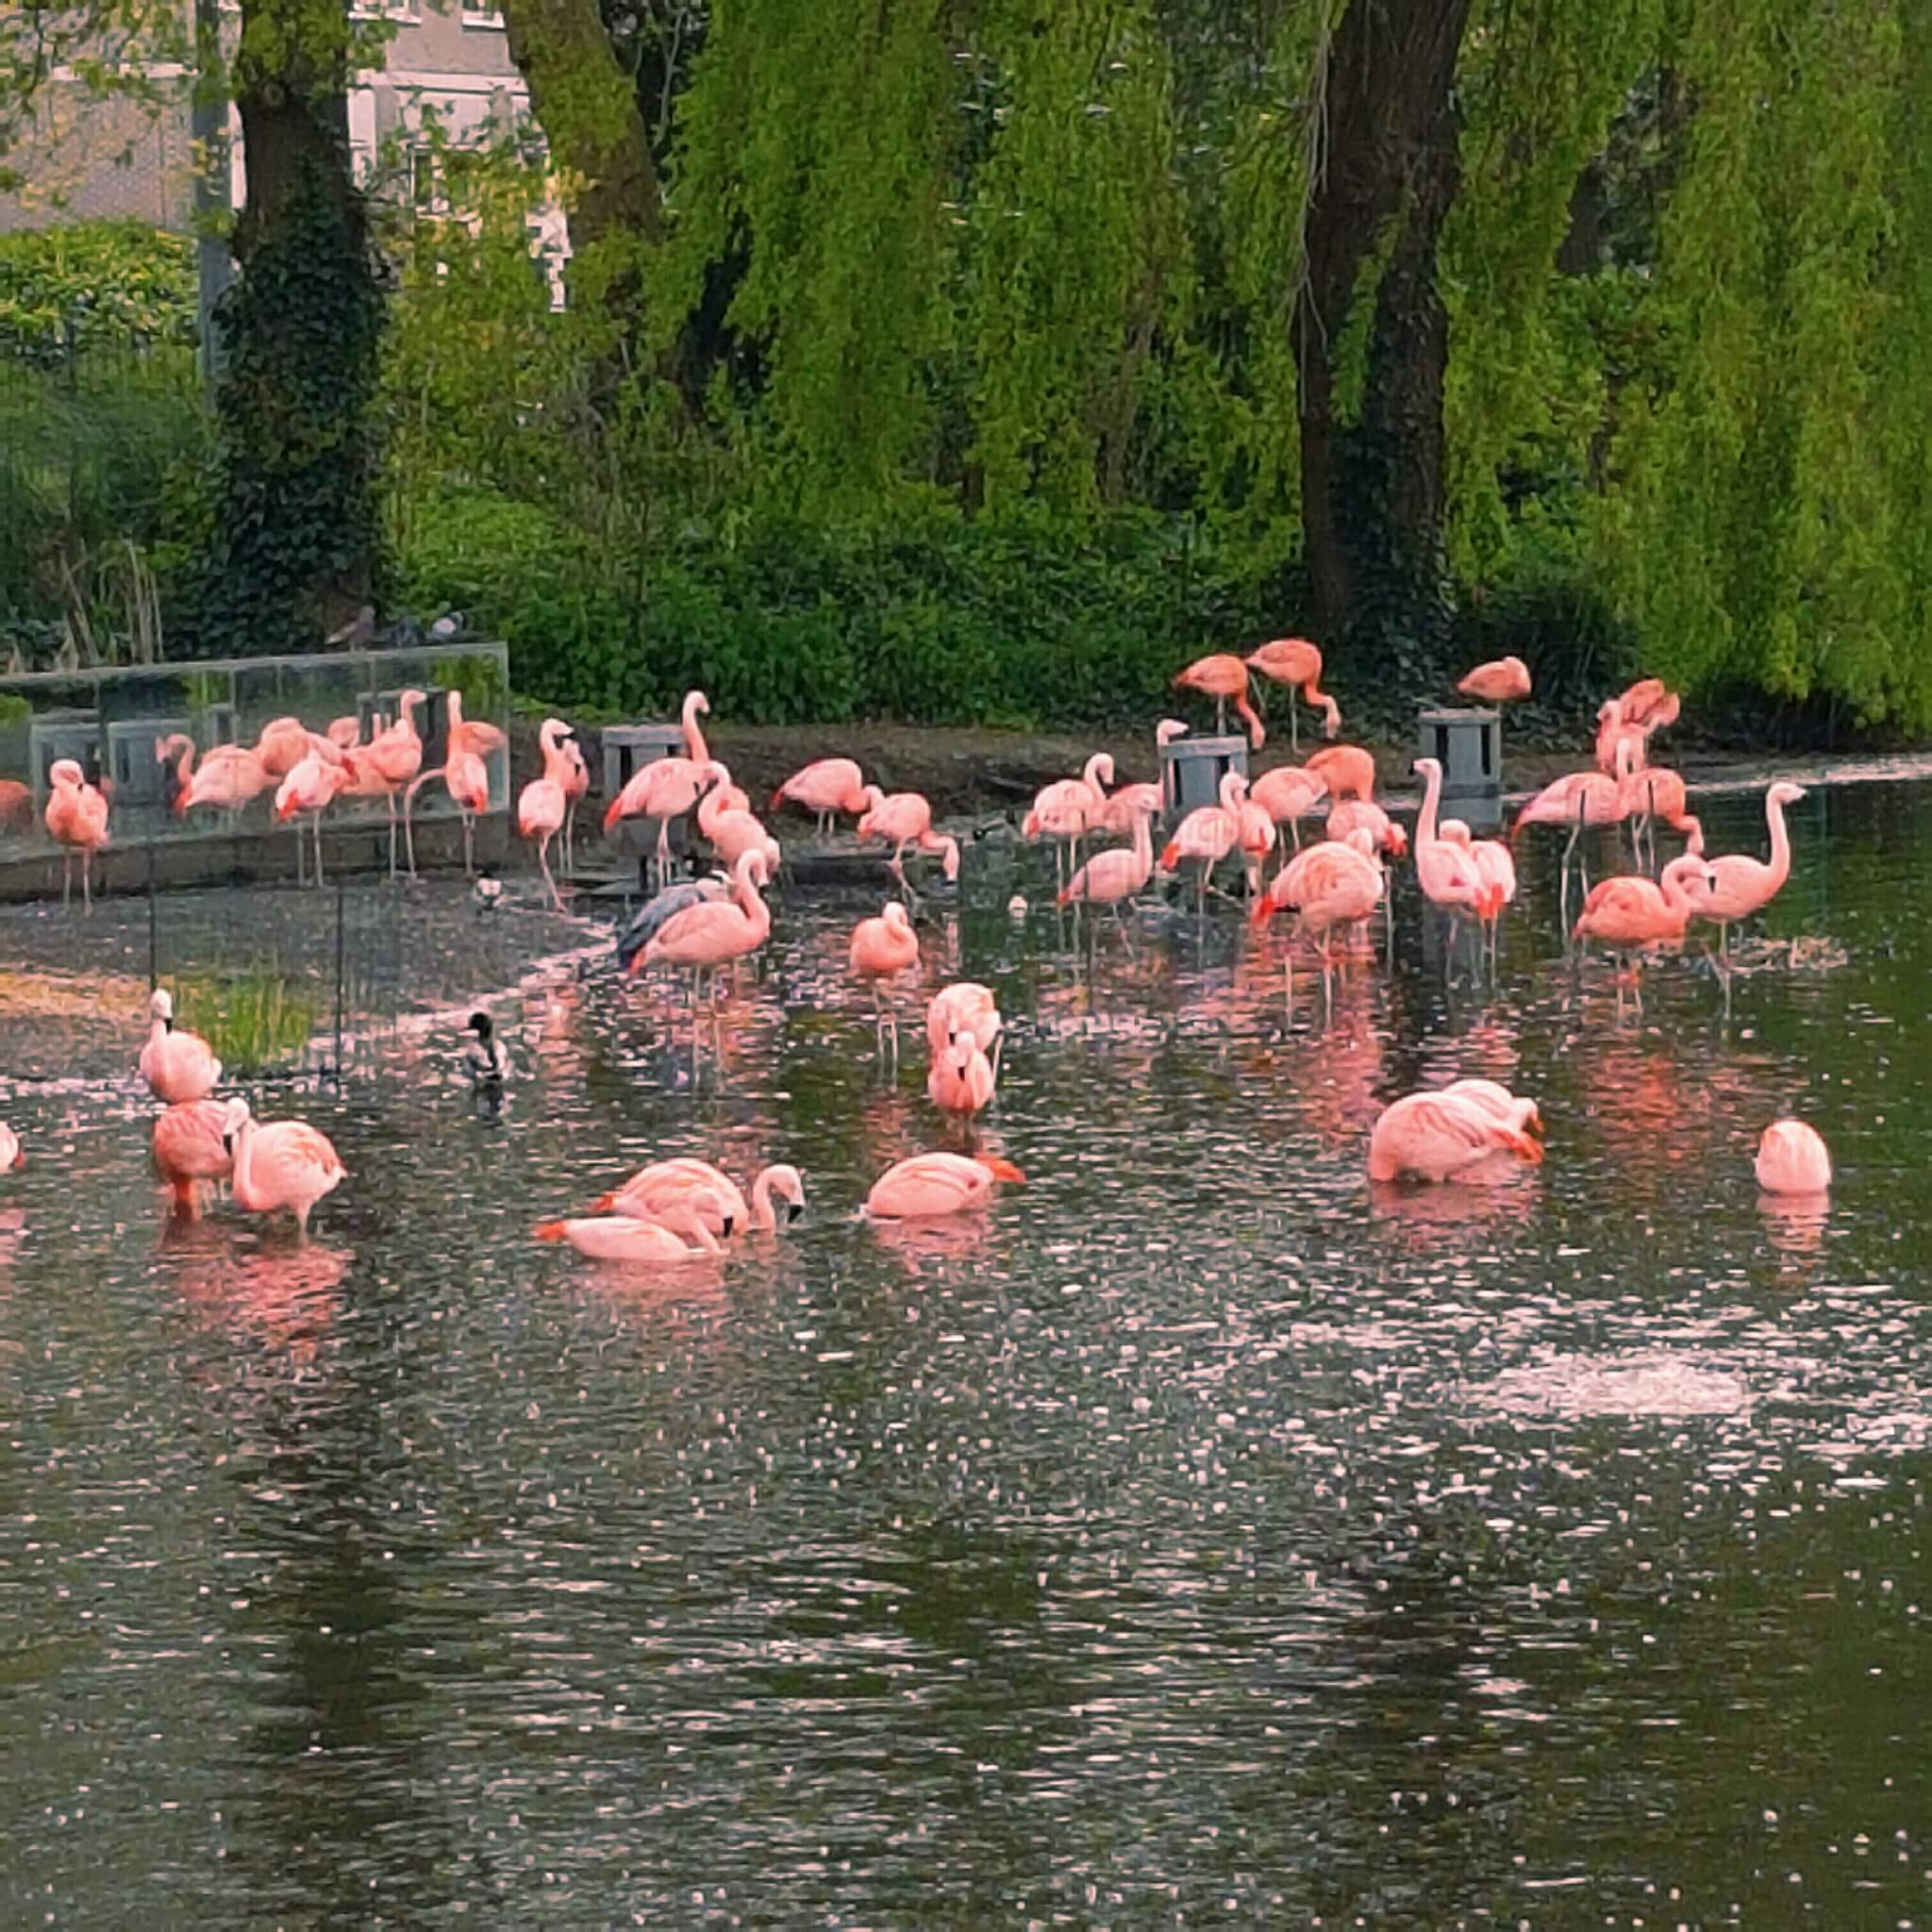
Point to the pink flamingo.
(1656, 792)
(1363, 815)
(713, 932)
(1287, 795)
(16, 804)
(1297, 663)
(286, 742)
(542, 803)
(1576, 800)
(577, 782)
(903, 819)
(696, 706)
(960, 1080)
(10, 1155)
(732, 829)
(1209, 833)
(1064, 809)
(1435, 1137)
(310, 786)
(1495, 866)
(1631, 915)
(1254, 836)
(280, 1164)
(823, 788)
(228, 778)
(965, 1008)
(1113, 878)
(1792, 1159)
(470, 734)
(1499, 1102)
(1501, 681)
(466, 779)
(1332, 883)
(1627, 724)
(664, 1186)
(1116, 813)
(933, 1184)
(394, 757)
(1445, 870)
(665, 789)
(177, 1065)
(679, 1234)
(1224, 677)
(882, 948)
(1741, 885)
(77, 817)
(1347, 770)
(191, 1149)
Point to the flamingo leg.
(409, 836)
(469, 842)
(389, 798)
(1294, 743)
(317, 821)
(87, 893)
(66, 878)
(543, 866)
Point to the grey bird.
(652, 914)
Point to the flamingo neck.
(694, 746)
(762, 1216)
(1780, 842)
(1426, 821)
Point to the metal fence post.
(153, 957)
(342, 899)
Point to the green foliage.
(67, 291)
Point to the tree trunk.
(588, 108)
(1372, 489)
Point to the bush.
(94, 285)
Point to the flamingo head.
(752, 867)
(1785, 792)
(1331, 711)
(1168, 730)
(175, 742)
(1001, 1170)
(65, 771)
(161, 1005)
(1454, 831)
(1426, 768)
(696, 705)
(1100, 770)
(1395, 841)
(1233, 789)
(949, 861)
(787, 1184)
(407, 701)
(234, 1116)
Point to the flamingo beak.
(727, 1219)
(794, 1211)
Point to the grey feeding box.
(627, 748)
(139, 777)
(1469, 747)
(1192, 770)
(55, 735)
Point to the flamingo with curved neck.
(1742, 884)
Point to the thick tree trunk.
(1372, 490)
(588, 108)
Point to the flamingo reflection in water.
(285, 1299)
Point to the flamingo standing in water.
(77, 817)
(1063, 810)
(1792, 1159)
(663, 790)
(933, 1184)
(1446, 873)
(651, 917)
(177, 1065)
(882, 948)
(1653, 792)
(1208, 834)
(1631, 916)
(1112, 877)
(824, 788)
(1495, 866)
(961, 1078)
(1353, 815)
(1741, 885)
(1439, 1137)
(1297, 663)
(903, 819)
(1288, 794)
(1501, 681)
(280, 1164)
(1576, 800)
(663, 1186)
(713, 932)
(191, 1150)
(542, 803)
(965, 1008)
(1336, 882)
(1224, 677)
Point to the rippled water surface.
(1199, 1536)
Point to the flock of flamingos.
(675, 1211)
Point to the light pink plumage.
(1792, 1159)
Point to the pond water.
(1200, 1536)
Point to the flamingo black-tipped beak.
(794, 1211)
(727, 1226)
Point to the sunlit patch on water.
(1583, 1386)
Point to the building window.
(386, 9)
(482, 13)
